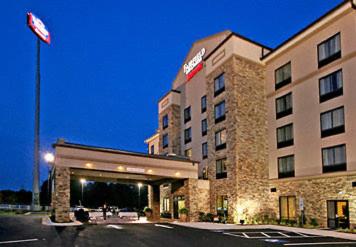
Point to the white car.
(128, 213)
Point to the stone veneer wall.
(316, 192)
(173, 130)
(246, 184)
(154, 201)
(61, 195)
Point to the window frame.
(333, 130)
(204, 156)
(223, 172)
(152, 149)
(222, 117)
(285, 81)
(187, 139)
(285, 112)
(221, 89)
(333, 94)
(203, 106)
(288, 207)
(334, 167)
(187, 151)
(204, 132)
(187, 114)
(285, 143)
(222, 145)
(331, 58)
(165, 121)
(165, 137)
(289, 173)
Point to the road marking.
(320, 243)
(268, 236)
(246, 236)
(19, 241)
(283, 234)
(301, 234)
(114, 226)
(164, 226)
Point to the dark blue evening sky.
(109, 63)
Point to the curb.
(47, 222)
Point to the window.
(221, 171)
(204, 127)
(334, 158)
(220, 139)
(188, 153)
(203, 104)
(219, 112)
(187, 135)
(331, 86)
(219, 85)
(332, 122)
(221, 206)
(165, 204)
(165, 141)
(283, 76)
(286, 166)
(165, 121)
(284, 105)
(204, 150)
(287, 207)
(187, 115)
(285, 136)
(329, 50)
(152, 149)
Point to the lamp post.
(139, 195)
(82, 181)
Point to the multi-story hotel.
(273, 130)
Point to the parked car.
(128, 213)
(81, 213)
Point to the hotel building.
(273, 130)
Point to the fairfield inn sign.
(195, 65)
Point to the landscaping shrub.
(314, 222)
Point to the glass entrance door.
(338, 214)
(178, 203)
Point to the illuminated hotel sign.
(37, 26)
(195, 65)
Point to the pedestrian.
(104, 211)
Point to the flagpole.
(36, 165)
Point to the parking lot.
(28, 231)
(287, 238)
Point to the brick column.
(61, 194)
(153, 201)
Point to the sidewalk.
(217, 226)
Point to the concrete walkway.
(217, 226)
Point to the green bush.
(147, 210)
(202, 217)
(166, 215)
(292, 222)
(184, 211)
(209, 217)
(314, 222)
(300, 218)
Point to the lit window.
(221, 206)
(188, 153)
(287, 207)
(329, 50)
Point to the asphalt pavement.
(28, 231)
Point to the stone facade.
(246, 184)
(61, 194)
(316, 192)
(153, 201)
(173, 130)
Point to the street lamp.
(139, 195)
(49, 157)
(82, 181)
